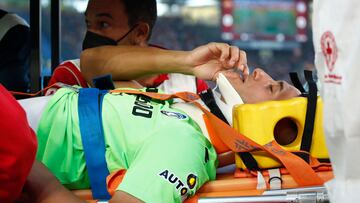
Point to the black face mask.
(92, 40)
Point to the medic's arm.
(132, 62)
(123, 197)
(42, 186)
(226, 158)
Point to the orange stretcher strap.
(300, 170)
(219, 145)
(36, 93)
(240, 173)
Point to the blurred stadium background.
(276, 34)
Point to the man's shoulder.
(68, 73)
(73, 64)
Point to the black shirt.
(14, 52)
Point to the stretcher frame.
(309, 194)
(227, 189)
(301, 195)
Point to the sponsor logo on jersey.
(179, 185)
(173, 114)
(142, 106)
(191, 181)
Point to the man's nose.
(259, 74)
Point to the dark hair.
(141, 10)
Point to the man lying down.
(158, 151)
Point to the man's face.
(259, 87)
(108, 18)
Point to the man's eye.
(104, 25)
(271, 89)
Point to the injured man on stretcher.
(158, 150)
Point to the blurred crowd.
(174, 33)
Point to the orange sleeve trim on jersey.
(114, 179)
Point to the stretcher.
(242, 184)
(299, 181)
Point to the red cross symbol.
(329, 49)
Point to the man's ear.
(142, 33)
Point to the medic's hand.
(208, 60)
(42, 186)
